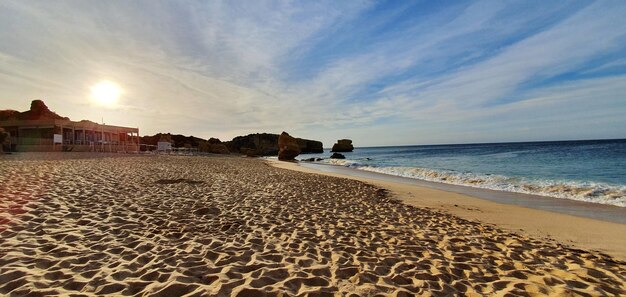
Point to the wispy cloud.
(381, 73)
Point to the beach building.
(40, 130)
(65, 135)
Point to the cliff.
(266, 144)
(177, 140)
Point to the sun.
(106, 92)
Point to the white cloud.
(218, 68)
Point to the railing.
(40, 144)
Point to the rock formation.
(215, 146)
(9, 114)
(177, 140)
(337, 156)
(310, 146)
(254, 144)
(288, 147)
(38, 111)
(343, 145)
(265, 144)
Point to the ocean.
(590, 170)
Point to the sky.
(377, 72)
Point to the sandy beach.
(577, 231)
(83, 224)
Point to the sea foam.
(581, 191)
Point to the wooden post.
(138, 142)
(102, 136)
(62, 137)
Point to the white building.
(164, 146)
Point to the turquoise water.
(593, 171)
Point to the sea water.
(591, 170)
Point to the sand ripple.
(225, 226)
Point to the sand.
(578, 232)
(230, 226)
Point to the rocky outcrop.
(337, 156)
(213, 140)
(9, 114)
(213, 146)
(217, 147)
(259, 144)
(288, 147)
(177, 140)
(343, 145)
(266, 144)
(38, 111)
(310, 146)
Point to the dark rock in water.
(288, 147)
(265, 144)
(337, 156)
(319, 159)
(308, 160)
(343, 145)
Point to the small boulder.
(343, 145)
(337, 156)
(308, 160)
(288, 148)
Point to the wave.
(581, 191)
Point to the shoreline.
(580, 232)
(585, 209)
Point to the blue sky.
(378, 72)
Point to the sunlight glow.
(106, 92)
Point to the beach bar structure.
(46, 135)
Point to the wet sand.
(231, 226)
(595, 211)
